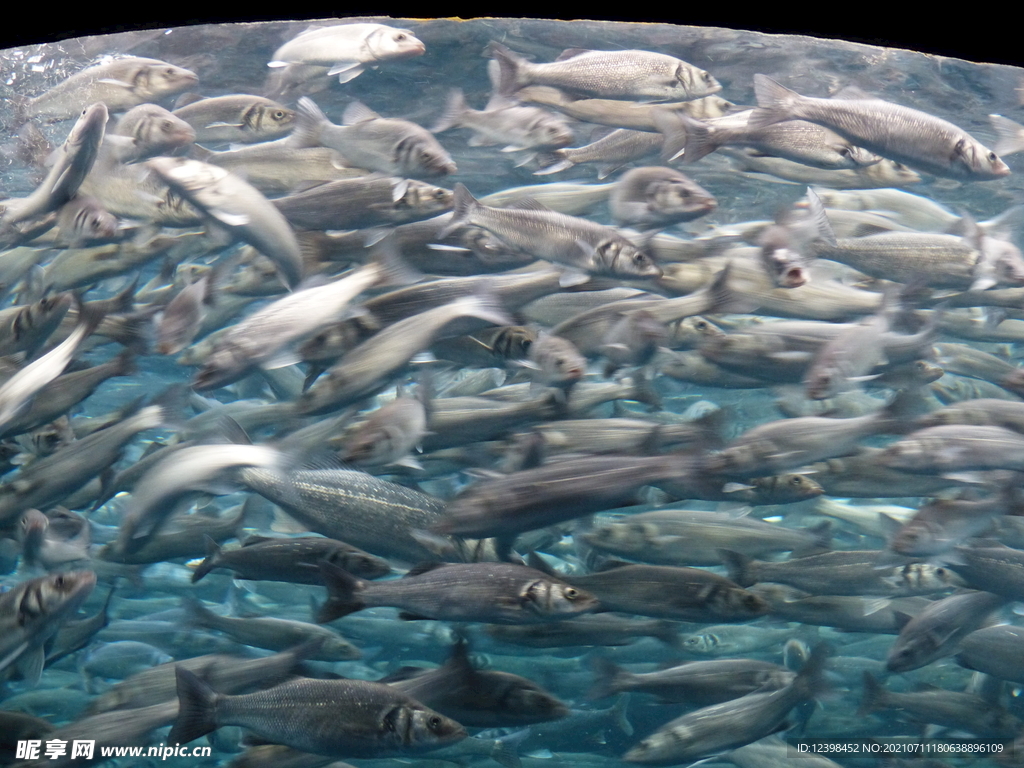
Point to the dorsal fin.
(851, 92)
(424, 567)
(569, 53)
(357, 112)
(527, 204)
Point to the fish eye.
(571, 593)
(439, 194)
(59, 582)
(639, 258)
(279, 114)
(400, 37)
(169, 71)
(434, 723)
(992, 157)
(796, 481)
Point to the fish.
(917, 139)
(504, 121)
(72, 162)
(347, 49)
(152, 130)
(498, 593)
(33, 611)
(239, 118)
(236, 206)
(480, 698)
(120, 83)
(656, 197)
(584, 247)
(732, 723)
(305, 714)
(366, 140)
(938, 629)
(293, 560)
(699, 682)
(629, 74)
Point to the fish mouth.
(794, 277)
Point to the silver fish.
(632, 74)
(347, 49)
(238, 207)
(367, 140)
(119, 83)
(240, 118)
(899, 133)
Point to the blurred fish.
(120, 83)
(32, 612)
(347, 48)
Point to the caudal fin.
(197, 708)
(342, 587)
(775, 102)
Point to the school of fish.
(662, 411)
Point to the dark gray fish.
(480, 698)
(684, 594)
(293, 560)
(697, 682)
(583, 246)
(952, 709)
(499, 593)
(345, 718)
(938, 629)
(994, 651)
(732, 723)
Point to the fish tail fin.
(342, 588)
(309, 122)
(619, 715)
(197, 708)
(738, 567)
(454, 108)
(208, 564)
(510, 67)
(394, 270)
(874, 696)
(506, 749)
(683, 136)
(723, 299)
(608, 678)
(667, 632)
(485, 305)
(1010, 135)
(776, 103)
(464, 204)
(810, 681)
(644, 392)
(822, 533)
(819, 218)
